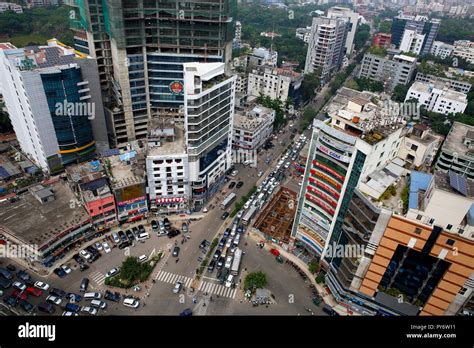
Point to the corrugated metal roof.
(418, 181)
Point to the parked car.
(11, 300)
(204, 243)
(83, 267)
(32, 291)
(240, 184)
(24, 276)
(60, 272)
(5, 283)
(46, 308)
(73, 298)
(130, 235)
(98, 246)
(177, 287)
(54, 300)
(122, 236)
(20, 295)
(222, 242)
(26, 306)
(186, 313)
(98, 304)
(154, 225)
(112, 296)
(173, 233)
(78, 259)
(220, 262)
(66, 269)
(84, 285)
(112, 272)
(85, 254)
(58, 292)
(176, 250)
(116, 238)
(225, 215)
(72, 307)
(231, 185)
(19, 285)
(125, 244)
(211, 266)
(217, 254)
(42, 285)
(106, 247)
(89, 310)
(142, 258)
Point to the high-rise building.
(392, 69)
(144, 46)
(186, 162)
(464, 49)
(352, 19)
(53, 98)
(414, 29)
(326, 46)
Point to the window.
(418, 217)
(462, 291)
(418, 230)
(381, 154)
(450, 242)
(449, 227)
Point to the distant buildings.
(382, 40)
(303, 34)
(53, 98)
(414, 33)
(352, 19)
(252, 127)
(392, 69)
(464, 49)
(270, 34)
(10, 6)
(262, 56)
(437, 98)
(457, 153)
(237, 42)
(451, 82)
(275, 83)
(419, 146)
(441, 49)
(326, 47)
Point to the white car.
(287, 165)
(247, 204)
(240, 213)
(228, 262)
(142, 258)
(112, 272)
(230, 280)
(260, 173)
(54, 299)
(98, 246)
(106, 247)
(66, 269)
(41, 285)
(177, 287)
(116, 238)
(205, 210)
(69, 314)
(234, 172)
(19, 285)
(85, 254)
(89, 310)
(229, 243)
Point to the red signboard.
(176, 87)
(329, 170)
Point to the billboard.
(130, 194)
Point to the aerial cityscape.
(237, 158)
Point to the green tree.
(131, 269)
(400, 92)
(311, 81)
(255, 280)
(361, 36)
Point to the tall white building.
(326, 46)
(276, 83)
(186, 163)
(252, 127)
(209, 100)
(53, 99)
(437, 98)
(353, 20)
(412, 41)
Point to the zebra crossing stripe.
(234, 292)
(188, 282)
(162, 275)
(201, 285)
(211, 289)
(221, 290)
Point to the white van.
(98, 304)
(143, 236)
(131, 302)
(142, 258)
(92, 296)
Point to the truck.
(234, 270)
(228, 201)
(249, 215)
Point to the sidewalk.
(327, 298)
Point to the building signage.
(176, 87)
(131, 201)
(170, 200)
(327, 178)
(329, 170)
(333, 154)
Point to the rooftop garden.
(378, 51)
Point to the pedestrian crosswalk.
(217, 289)
(98, 278)
(171, 278)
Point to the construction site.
(276, 220)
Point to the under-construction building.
(140, 46)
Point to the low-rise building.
(252, 127)
(419, 146)
(457, 152)
(127, 178)
(441, 49)
(452, 82)
(10, 6)
(437, 98)
(262, 56)
(303, 34)
(464, 49)
(392, 69)
(382, 40)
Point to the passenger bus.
(228, 201)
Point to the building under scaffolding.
(276, 219)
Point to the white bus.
(249, 215)
(228, 201)
(234, 270)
